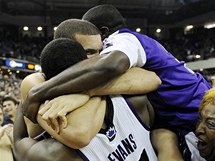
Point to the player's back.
(178, 97)
(126, 136)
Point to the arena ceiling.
(148, 12)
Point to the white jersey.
(125, 138)
(191, 152)
(129, 45)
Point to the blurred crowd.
(198, 44)
(24, 48)
(9, 100)
(192, 46)
(10, 86)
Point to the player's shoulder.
(38, 77)
(29, 81)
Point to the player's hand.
(54, 112)
(31, 106)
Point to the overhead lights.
(158, 30)
(39, 28)
(55, 28)
(209, 25)
(138, 29)
(198, 56)
(188, 28)
(25, 28)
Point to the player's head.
(82, 31)
(209, 98)
(106, 18)
(60, 54)
(205, 129)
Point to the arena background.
(184, 27)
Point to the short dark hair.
(70, 27)
(60, 54)
(10, 98)
(105, 15)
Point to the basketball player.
(177, 100)
(115, 140)
(85, 32)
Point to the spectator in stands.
(5, 139)
(205, 130)
(10, 106)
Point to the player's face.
(92, 44)
(205, 132)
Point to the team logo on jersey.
(111, 133)
(106, 45)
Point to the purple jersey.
(177, 100)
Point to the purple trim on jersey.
(181, 91)
(82, 155)
(136, 114)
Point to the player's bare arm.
(134, 81)
(27, 148)
(83, 124)
(83, 76)
(79, 134)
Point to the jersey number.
(144, 156)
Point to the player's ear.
(105, 32)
